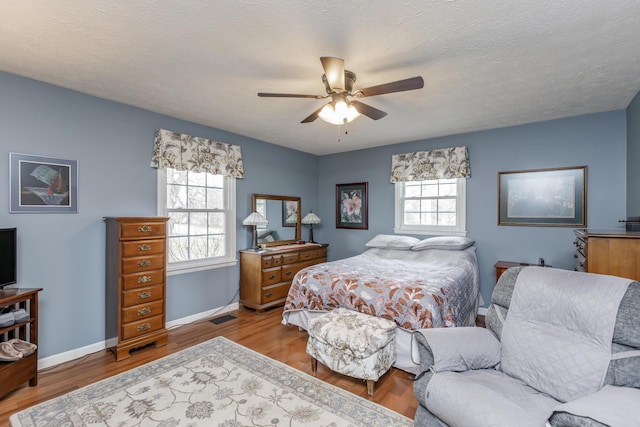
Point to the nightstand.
(502, 266)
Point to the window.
(201, 227)
(261, 207)
(434, 207)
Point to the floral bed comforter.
(423, 289)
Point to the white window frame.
(230, 231)
(434, 230)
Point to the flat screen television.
(8, 257)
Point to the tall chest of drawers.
(614, 252)
(135, 283)
(265, 276)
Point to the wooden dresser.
(135, 283)
(614, 252)
(265, 276)
(14, 374)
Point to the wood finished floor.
(261, 332)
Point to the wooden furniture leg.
(314, 366)
(370, 387)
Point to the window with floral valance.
(196, 190)
(443, 163)
(431, 191)
(193, 153)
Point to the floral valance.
(192, 153)
(444, 163)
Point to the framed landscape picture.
(543, 197)
(352, 210)
(42, 184)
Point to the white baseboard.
(77, 353)
(203, 315)
(67, 356)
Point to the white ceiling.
(486, 64)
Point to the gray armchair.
(560, 348)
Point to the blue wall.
(112, 142)
(633, 157)
(65, 254)
(597, 141)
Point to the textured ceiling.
(486, 64)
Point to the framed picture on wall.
(40, 184)
(543, 197)
(289, 213)
(352, 210)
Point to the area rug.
(216, 383)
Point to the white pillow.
(450, 243)
(262, 233)
(389, 241)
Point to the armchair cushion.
(459, 349)
(614, 406)
(558, 332)
(484, 398)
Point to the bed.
(418, 284)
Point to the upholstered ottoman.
(353, 344)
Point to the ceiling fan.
(338, 83)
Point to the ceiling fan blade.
(398, 86)
(289, 95)
(313, 116)
(334, 71)
(368, 110)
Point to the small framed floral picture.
(289, 213)
(352, 210)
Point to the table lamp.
(311, 219)
(255, 219)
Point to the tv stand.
(13, 374)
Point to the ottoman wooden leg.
(370, 386)
(314, 366)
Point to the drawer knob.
(144, 263)
(270, 294)
(273, 276)
(145, 229)
(144, 295)
(144, 311)
(144, 279)
(288, 273)
(144, 247)
(143, 327)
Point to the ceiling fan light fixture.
(339, 112)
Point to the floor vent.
(222, 319)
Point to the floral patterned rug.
(216, 383)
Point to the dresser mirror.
(283, 214)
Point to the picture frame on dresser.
(555, 197)
(39, 184)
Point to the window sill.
(192, 267)
(429, 232)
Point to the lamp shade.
(339, 112)
(255, 218)
(311, 218)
